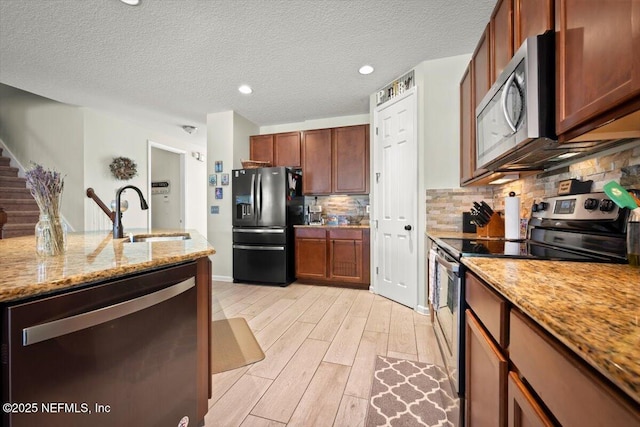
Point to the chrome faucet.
(117, 219)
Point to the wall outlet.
(368, 208)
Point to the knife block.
(495, 227)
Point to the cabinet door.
(345, 260)
(482, 68)
(467, 127)
(532, 17)
(486, 375)
(598, 67)
(523, 408)
(351, 159)
(261, 148)
(311, 258)
(501, 36)
(316, 161)
(286, 147)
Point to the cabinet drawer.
(348, 234)
(489, 307)
(311, 233)
(574, 395)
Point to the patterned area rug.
(406, 393)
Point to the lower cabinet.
(485, 386)
(547, 384)
(335, 256)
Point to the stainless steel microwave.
(515, 122)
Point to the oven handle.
(67, 325)
(450, 266)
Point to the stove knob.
(542, 206)
(591, 204)
(534, 207)
(606, 205)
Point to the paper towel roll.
(512, 218)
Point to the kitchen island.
(146, 311)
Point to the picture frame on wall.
(213, 180)
(218, 192)
(218, 166)
(224, 178)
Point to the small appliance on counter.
(315, 215)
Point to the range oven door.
(448, 319)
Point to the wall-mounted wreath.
(123, 168)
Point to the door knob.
(407, 227)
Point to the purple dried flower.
(46, 188)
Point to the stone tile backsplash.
(353, 207)
(445, 206)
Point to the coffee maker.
(315, 215)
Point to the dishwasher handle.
(453, 267)
(67, 325)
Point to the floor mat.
(406, 393)
(233, 345)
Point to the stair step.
(13, 182)
(18, 230)
(22, 217)
(18, 204)
(5, 161)
(15, 193)
(8, 171)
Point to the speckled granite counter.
(332, 226)
(90, 257)
(592, 308)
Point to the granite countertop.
(592, 308)
(90, 257)
(332, 226)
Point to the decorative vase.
(51, 236)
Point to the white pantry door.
(395, 198)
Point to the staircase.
(16, 200)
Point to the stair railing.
(3, 220)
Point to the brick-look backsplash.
(445, 206)
(351, 206)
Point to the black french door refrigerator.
(267, 202)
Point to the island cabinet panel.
(532, 17)
(501, 36)
(486, 376)
(568, 388)
(523, 408)
(286, 148)
(598, 70)
(203, 284)
(261, 148)
(351, 159)
(316, 161)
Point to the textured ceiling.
(174, 61)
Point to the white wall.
(49, 133)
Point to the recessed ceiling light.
(366, 69)
(246, 89)
(131, 2)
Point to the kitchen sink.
(165, 237)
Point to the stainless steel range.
(582, 227)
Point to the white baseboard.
(422, 309)
(222, 278)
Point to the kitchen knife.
(479, 218)
(487, 208)
(482, 213)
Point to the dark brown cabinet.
(501, 37)
(351, 159)
(482, 68)
(467, 127)
(280, 149)
(316, 161)
(336, 160)
(532, 17)
(522, 406)
(333, 256)
(597, 63)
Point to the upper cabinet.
(532, 17)
(467, 128)
(482, 73)
(501, 36)
(336, 160)
(597, 63)
(280, 149)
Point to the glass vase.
(51, 236)
(633, 240)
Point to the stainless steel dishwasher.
(111, 354)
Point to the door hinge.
(376, 224)
(377, 270)
(376, 130)
(378, 177)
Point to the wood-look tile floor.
(320, 344)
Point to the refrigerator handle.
(253, 194)
(259, 196)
